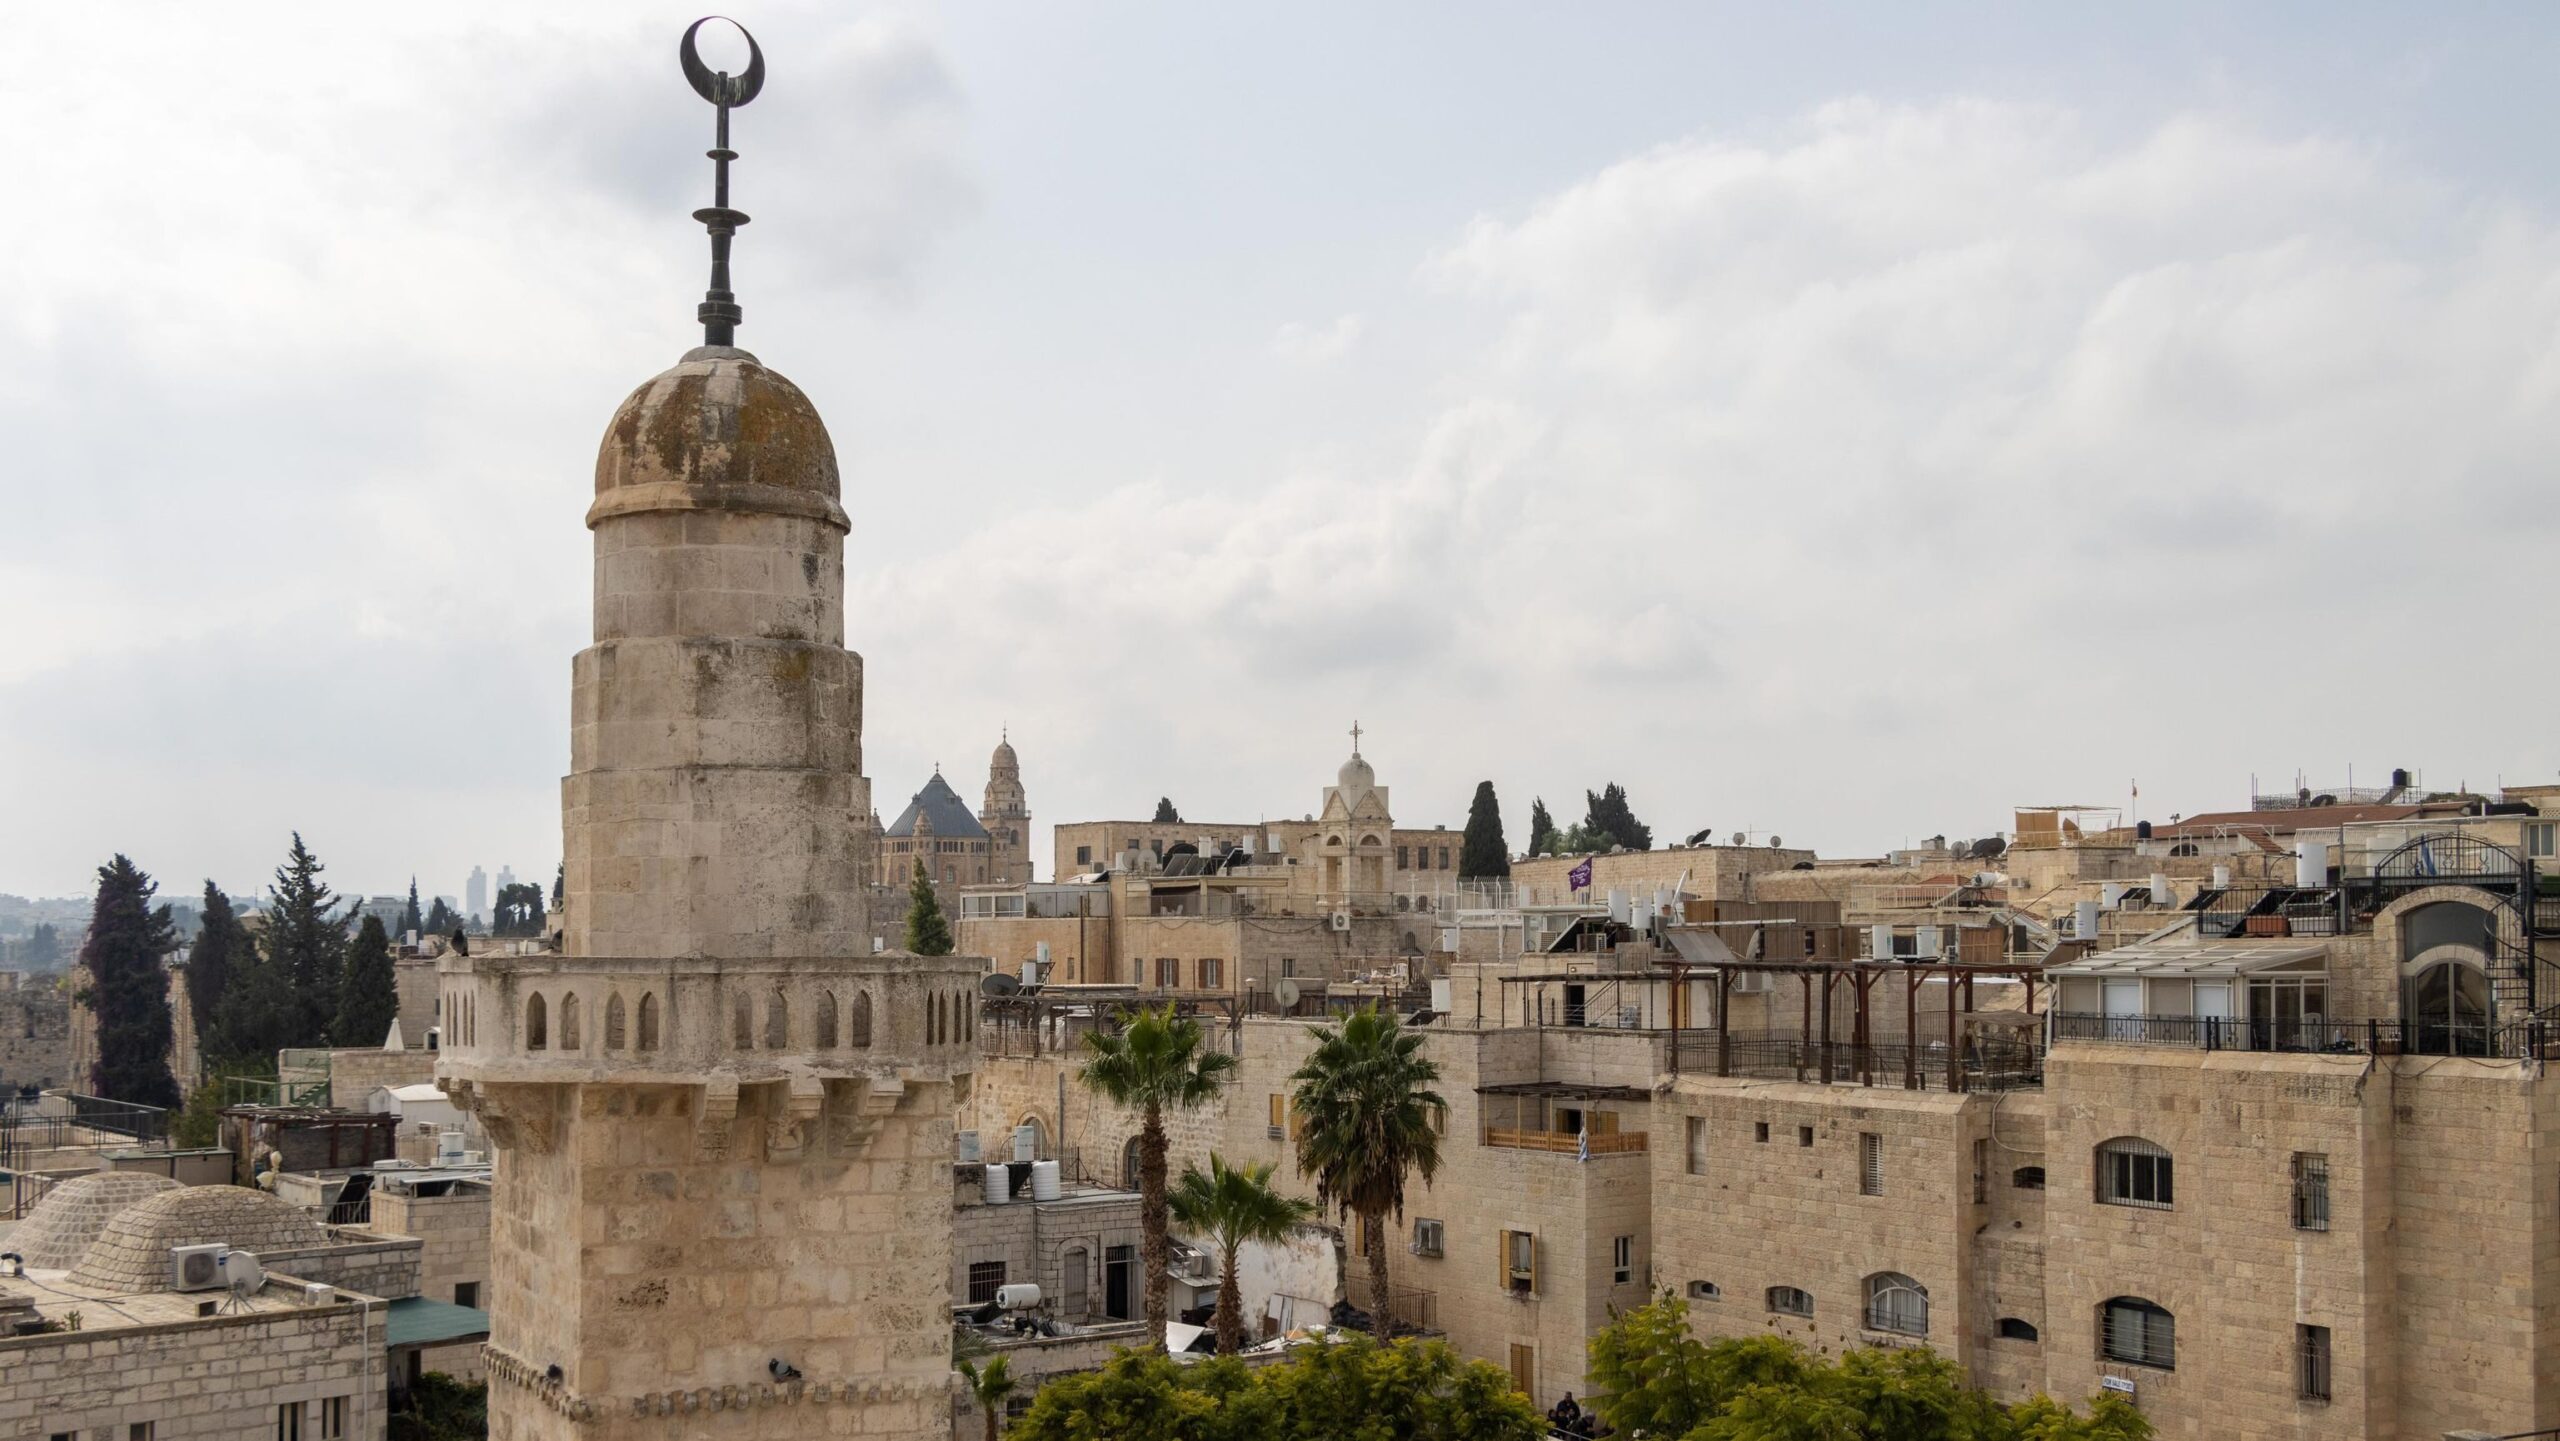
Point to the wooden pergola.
(1860, 979)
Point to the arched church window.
(824, 1020)
(569, 1021)
(648, 1020)
(859, 1027)
(537, 1024)
(777, 1022)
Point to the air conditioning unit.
(196, 1268)
(316, 1293)
(969, 1154)
(1342, 920)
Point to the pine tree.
(127, 989)
(928, 934)
(306, 942)
(1483, 855)
(368, 992)
(260, 1013)
(519, 910)
(441, 921)
(1607, 819)
(220, 948)
(1542, 828)
(412, 920)
(1166, 815)
(560, 884)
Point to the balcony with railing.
(1560, 1118)
(2524, 1039)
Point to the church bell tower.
(722, 1201)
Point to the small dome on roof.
(131, 1254)
(58, 1230)
(718, 431)
(1355, 776)
(1004, 759)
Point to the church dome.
(718, 431)
(1004, 759)
(1355, 776)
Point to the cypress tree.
(928, 934)
(1542, 827)
(219, 950)
(259, 1014)
(441, 921)
(1608, 819)
(44, 948)
(369, 992)
(127, 990)
(306, 942)
(412, 920)
(1166, 815)
(1483, 855)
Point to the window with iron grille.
(1697, 1145)
(2134, 1172)
(2027, 1178)
(2310, 1191)
(2017, 1328)
(2135, 1332)
(1791, 1301)
(1429, 1237)
(984, 1278)
(2311, 1372)
(1870, 1164)
(1897, 1304)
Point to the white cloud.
(1302, 344)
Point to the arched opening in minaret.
(860, 1026)
(569, 1040)
(742, 1023)
(614, 1022)
(537, 1024)
(648, 1020)
(824, 1020)
(777, 1021)
(933, 1018)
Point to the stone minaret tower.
(723, 1126)
(1006, 813)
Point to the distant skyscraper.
(506, 878)
(476, 891)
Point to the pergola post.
(1724, 1021)
(1826, 1027)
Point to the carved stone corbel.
(719, 1111)
(519, 1117)
(859, 1109)
(791, 1118)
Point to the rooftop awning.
(1567, 1091)
(2188, 955)
(419, 1321)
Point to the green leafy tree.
(559, 883)
(260, 1012)
(1483, 854)
(990, 1386)
(1166, 815)
(412, 920)
(221, 946)
(441, 920)
(517, 911)
(928, 933)
(1542, 828)
(307, 942)
(1365, 1112)
(369, 992)
(43, 949)
(1608, 820)
(1234, 1206)
(1352, 1389)
(127, 988)
(441, 1408)
(1159, 1062)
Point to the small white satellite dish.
(242, 1273)
(1285, 991)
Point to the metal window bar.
(2134, 1172)
(2137, 1333)
(1896, 1305)
(1870, 1164)
(2311, 1369)
(2310, 1192)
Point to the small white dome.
(1355, 776)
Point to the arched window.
(742, 1023)
(470, 1017)
(2445, 923)
(537, 1024)
(2027, 1178)
(2013, 1328)
(2446, 1010)
(1129, 1165)
(648, 1020)
(824, 1021)
(860, 1028)
(2134, 1172)
(777, 1022)
(2138, 1333)
(932, 1019)
(968, 1020)
(569, 1022)
(1790, 1301)
(2182, 848)
(615, 1022)
(1896, 1304)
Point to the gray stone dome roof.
(57, 1230)
(718, 431)
(132, 1253)
(945, 814)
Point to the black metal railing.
(1980, 1064)
(2522, 1040)
(81, 1123)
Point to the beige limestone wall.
(453, 1260)
(218, 1379)
(354, 1075)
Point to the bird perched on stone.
(461, 942)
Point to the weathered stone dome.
(1355, 778)
(717, 431)
(58, 1230)
(132, 1253)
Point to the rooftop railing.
(2371, 1037)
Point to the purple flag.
(1580, 876)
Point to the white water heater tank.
(1045, 1184)
(2161, 895)
(2084, 920)
(2311, 863)
(2222, 878)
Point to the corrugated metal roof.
(944, 808)
(2189, 956)
(423, 1321)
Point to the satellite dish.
(1422, 1017)
(997, 983)
(242, 1273)
(1285, 991)
(1777, 840)
(1741, 839)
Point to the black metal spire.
(719, 312)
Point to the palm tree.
(1365, 1107)
(1233, 1205)
(989, 1387)
(1160, 1062)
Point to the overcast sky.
(1840, 423)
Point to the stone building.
(936, 831)
(722, 1123)
(1005, 815)
(35, 1033)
